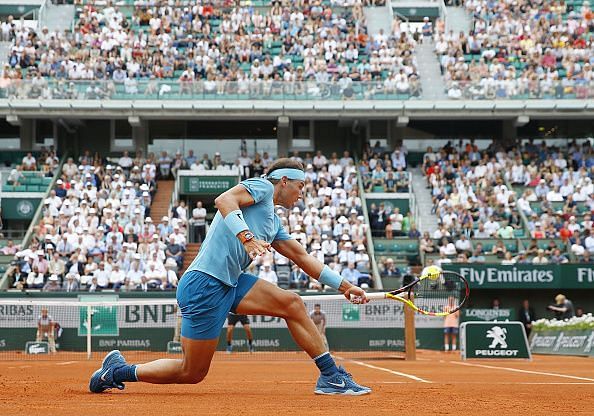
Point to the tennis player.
(244, 227)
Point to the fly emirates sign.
(488, 276)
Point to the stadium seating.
(498, 58)
(261, 51)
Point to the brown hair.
(284, 162)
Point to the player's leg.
(454, 336)
(446, 339)
(230, 327)
(51, 340)
(248, 334)
(204, 302)
(265, 298)
(191, 369)
(258, 297)
(323, 334)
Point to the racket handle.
(376, 295)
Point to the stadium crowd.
(96, 231)
(473, 202)
(229, 48)
(519, 49)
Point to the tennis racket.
(438, 294)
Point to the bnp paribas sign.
(525, 276)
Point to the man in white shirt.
(335, 169)
(329, 246)
(134, 275)
(268, 274)
(102, 276)
(566, 189)
(346, 255)
(126, 161)
(116, 277)
(491, 226)
(463, 244)
(554, 195)
(319, 160)
(198, 222)
(29, 162)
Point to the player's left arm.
(294, 251)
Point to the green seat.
(519, 233)
(412, 248)
(32, 188)
(511, 246)
(395, 248)
(35, 181)
(488, 245)
(379, 247)
(20, 188)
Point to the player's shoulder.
(260, 182)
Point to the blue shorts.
(205, 301)
(450, 330)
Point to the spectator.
(16, 176)
(351, 274)
(563, 307)
(198, 222)
(267, 274)
(70, 283)
(52, 284)
(29, 162)
(540, 258)
(526, 316)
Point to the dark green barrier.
(19, 208)
(526, 276)
(559, 342)
(206, 185)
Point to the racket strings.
(444, 294)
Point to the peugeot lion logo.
(498, 335)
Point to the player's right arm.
(229, 203)
(294, 251)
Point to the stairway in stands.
(161, 201)
(160, 208)
(189, 256)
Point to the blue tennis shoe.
(340, 382)
(102, 379)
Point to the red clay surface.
(435, 384)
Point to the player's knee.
(193, 377)
(295, 305)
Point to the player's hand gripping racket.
(435, 292)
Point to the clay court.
(437, 383)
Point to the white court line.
(66, 363)
(387, 370)
(517, 370)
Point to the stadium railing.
(174, 89)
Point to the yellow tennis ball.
(432, 272)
